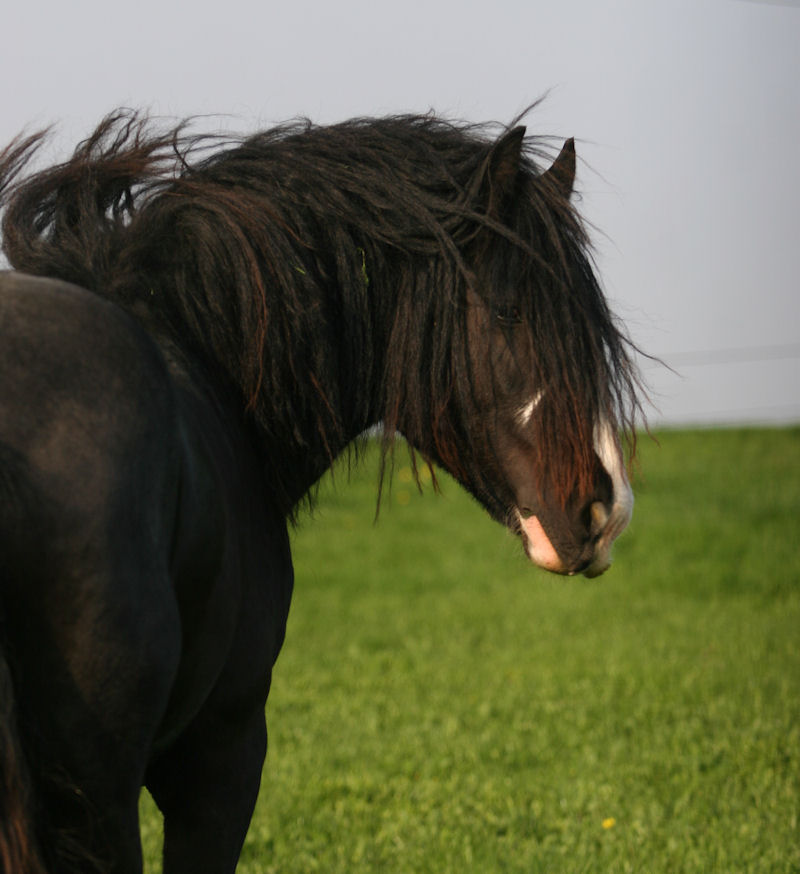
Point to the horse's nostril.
(599, 516)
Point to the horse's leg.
(206, 786)
(206, 782)
(94, 678)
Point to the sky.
(686, 115)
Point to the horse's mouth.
(540, 550)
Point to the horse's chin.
(598, 566)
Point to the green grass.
(440, 706)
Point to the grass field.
(440, 706)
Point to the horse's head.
(567, 523)
(551, 371)
(545, 386)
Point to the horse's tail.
(19, 853)
(69, 221)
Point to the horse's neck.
(353, 386)
(307, 411)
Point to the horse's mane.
(290, 263)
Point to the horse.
(193, 329)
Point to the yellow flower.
(609, 823)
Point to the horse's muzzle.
(606, 526)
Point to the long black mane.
(324, 275)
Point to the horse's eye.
(508, 315)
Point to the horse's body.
(146, 581)
(149, 458)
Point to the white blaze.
(526, 411)
(609, 452)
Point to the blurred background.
(687, 116)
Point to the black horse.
(198, 327)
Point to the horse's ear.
(502, 170)
(562, 172)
